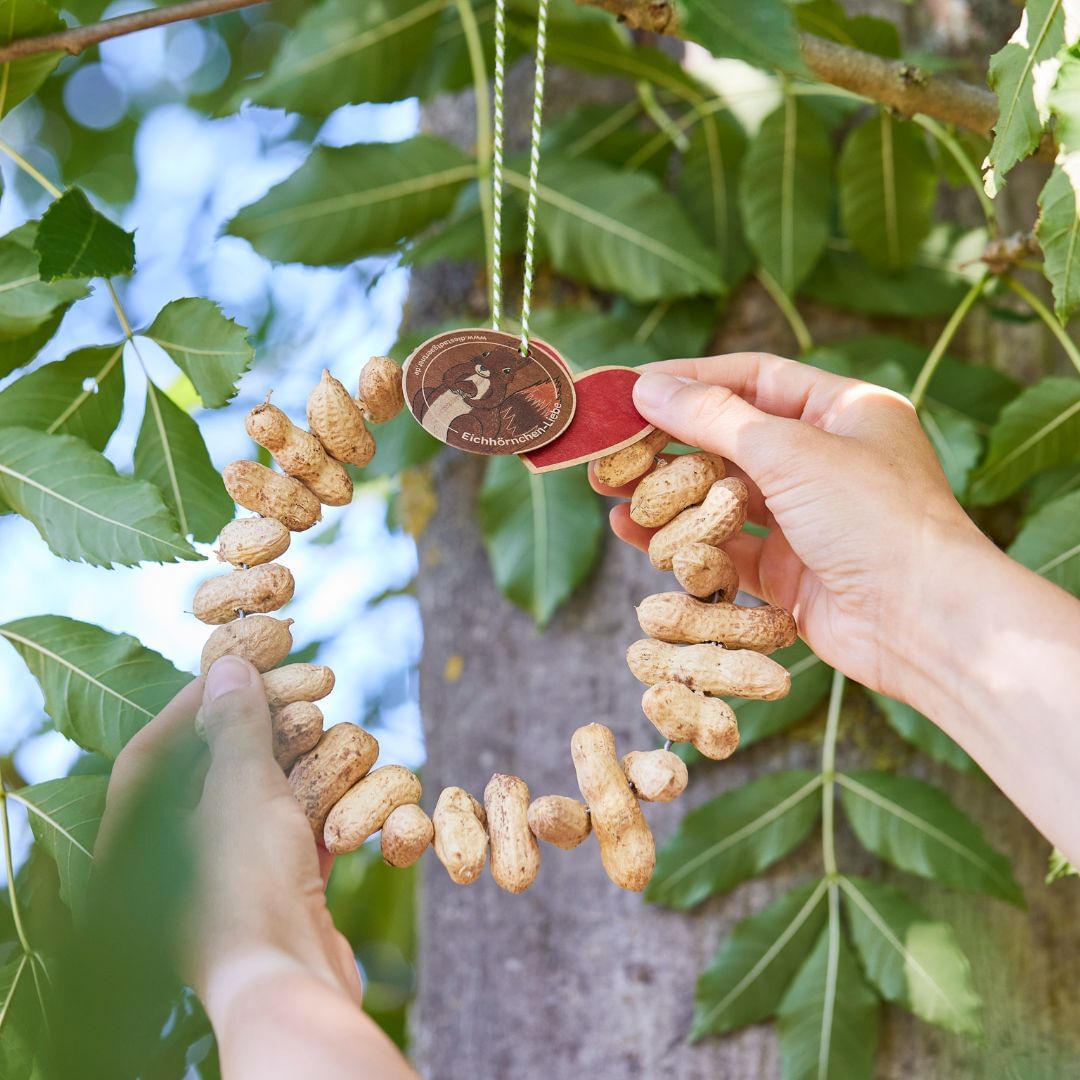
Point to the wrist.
(953, 568)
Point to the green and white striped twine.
(498, 137)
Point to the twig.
(78, 38)
(930, 366)
(1049, 321)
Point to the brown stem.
(78, 38)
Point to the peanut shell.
(559, 820)
(382, 395)
(712, 668)
(261, 640)
(655, 775)
(341, 758)
(706, 571)
(515, 854)
(669, 489)
(717, 519)
(684, 715)
(296, 728)
(262, 588)
(461, 841)
(682, 620)
(338, 423)
(406, 834)
(252, 541)
(297, 682)
(255, 487)
(631, 461)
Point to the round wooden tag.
(474, 390)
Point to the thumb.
(235, 717)
(716, 419)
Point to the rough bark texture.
(575, 978)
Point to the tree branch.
(78, 38)
(894, 83)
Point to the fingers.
(146, 753)
(625, 528)
(236, 720)
(770, 383)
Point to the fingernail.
(225, 675)
(653, 390)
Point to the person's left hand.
(258, 904)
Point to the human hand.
(859, 512)
(258, 905)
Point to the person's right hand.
(859, 512)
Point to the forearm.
(994, 659)
(274, 1019)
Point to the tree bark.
(576, 978)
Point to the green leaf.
(30, 310)
(933, 285)
(965, 388)
(911, 959)
(829, 1018)
(341, 52)
(589, 337)
(25, 19)
(82, 395)
(401, 444)
(22, 1009)
(75, 241)
(680, 328)
(611, 134)
(827, 19)
(734, 837)
(100, 688)
(211, 350)
(542, 533)
(1049, 542)
(916, 827)
(1058, 230)
(754, 966)
(1012, 76)
(810, 679)
(620, 231)
(171, 454)
(786, 192)
(1048, 486)
(708, 188)
(923, 733)
(347, 202)
(956, 441)
(81, 507)
(888, 186)
(64, 815)
(1036, 431)
(761, 32)
(1059, 867)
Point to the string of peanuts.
(699, 645)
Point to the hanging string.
(497, 134)
(498, 137)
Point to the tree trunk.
(576, 978)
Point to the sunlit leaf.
(99, 688)
(923, 733)
(888, 187)
(1038, 430)
(761, 32)
(81, 507)
(917, 828)
(24, 19)
(212, 351)
(76, 241)
(755, 964)
(829, 1018)
(620, 231)
(734, 837)
(64, 815)
(341, 52)
(1049, 542)
(1058, 230)
(911, 959)
(542, 533)
(786, 192)
(709, 186)
(171, 454)
(22, 1007)
(82, 395)
(1012, 75)
(347, 202)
